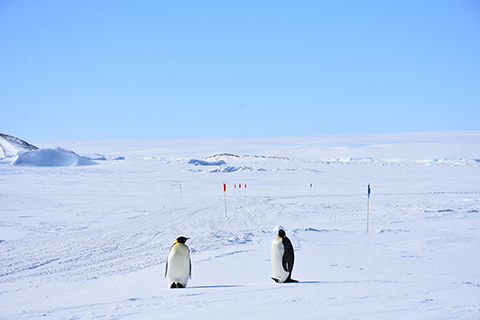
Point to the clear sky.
(164, 69)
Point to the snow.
(20, 153)
(91, 242)
(197, 162)
(51, 157)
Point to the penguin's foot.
(290, 279)
(286, 280)
(176, 285)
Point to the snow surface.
(91, 242)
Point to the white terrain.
(86, 226)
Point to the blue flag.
(369, 190)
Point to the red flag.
(224, 187)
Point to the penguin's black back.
(288, 256)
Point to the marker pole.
(368, 206)
(225, 197)
(180, 191)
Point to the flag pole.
(368, 205)
(225, 197)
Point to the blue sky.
(164, 69)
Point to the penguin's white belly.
(178, 265)
(276, 256)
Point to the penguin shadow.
(303, 281)
(241, 286)
(216, 286)
(326, 282)
(312, 281)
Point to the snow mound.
(206, 163)
(51, 157)
(10, 146)
(246, 156)
(229, 169)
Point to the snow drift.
(206, 163)
(51, 157)
(22, 153)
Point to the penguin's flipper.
(190, 263)
(288, 255)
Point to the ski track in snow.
(91, 242)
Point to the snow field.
(91, 242)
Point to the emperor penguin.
(179, 267)
(282, 258)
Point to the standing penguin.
(179, 266)
(282, 258)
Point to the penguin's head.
(281, 233)
(181, 240)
